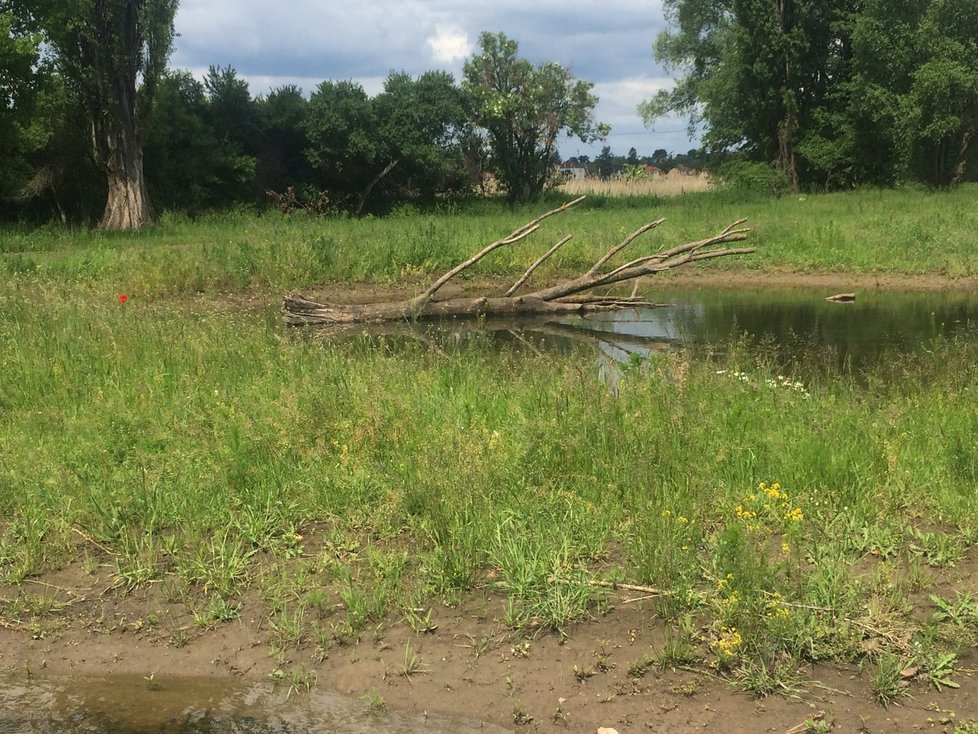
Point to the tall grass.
(899, 231)
(185, 444)
(672, 184)
(203, 446)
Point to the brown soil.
(469, 665)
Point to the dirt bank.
(466, 664)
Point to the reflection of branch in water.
(617, 346)
(612, 339)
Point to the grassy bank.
(904, 231)
(783, 518)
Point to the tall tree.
(754, 71)
(18, 57)
(191, 164)
(523, 109)
(113, 53)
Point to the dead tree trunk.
(570, 297)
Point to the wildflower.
(795, 515)
(123, 298)
(727, 645)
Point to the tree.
(112, 53)
(523, 109)
(342, 143)
(407, 137)
(191, 164)
(18, 90)
(281, 160)
(604, 163)
(754, 72)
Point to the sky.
(305, 42)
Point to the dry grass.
(672, 184)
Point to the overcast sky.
(304, 42)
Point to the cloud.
(450, 45)
(305, 42)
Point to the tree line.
(94, 126)
(92, 120)
(831, 93)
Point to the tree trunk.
(127, 205)
(570, 297)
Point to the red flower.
(123, 298)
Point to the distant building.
(653, 171)
(572, 168)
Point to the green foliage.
(18, 56)
(103, 49)
(192, 164)
(523, 110)
(831, 94)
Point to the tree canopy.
(112, 55)
(831, 93)
(523, 109)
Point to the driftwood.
(570, 297)
(842, 298)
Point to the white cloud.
(450, 45)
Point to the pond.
(130, 704)
(794, 325)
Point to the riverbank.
(476, 526)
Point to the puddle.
(131, 705)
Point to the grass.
(672, 184)
(903, 231)
(205, 448)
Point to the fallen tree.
(573, 296)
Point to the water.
(794, 325)
(135, 705)
(796, 321)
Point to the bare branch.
(539, 261)
(570, 297)
(623, 244)
(518, 234)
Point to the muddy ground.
(468, 664)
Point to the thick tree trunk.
(127, 205)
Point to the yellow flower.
(795, 515)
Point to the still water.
(135, 705)
(793, 325)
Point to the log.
(574, 296)
(842, 298)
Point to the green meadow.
(905, 231)
(181, 439)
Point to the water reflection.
(796, 327)
(132, 704)
(795, 324)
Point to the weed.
(301, 679)
(374, 701)
(287, 627)
(762, 678)
(216, 610)
(886, 679)
(520, 717)
(412, 663)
